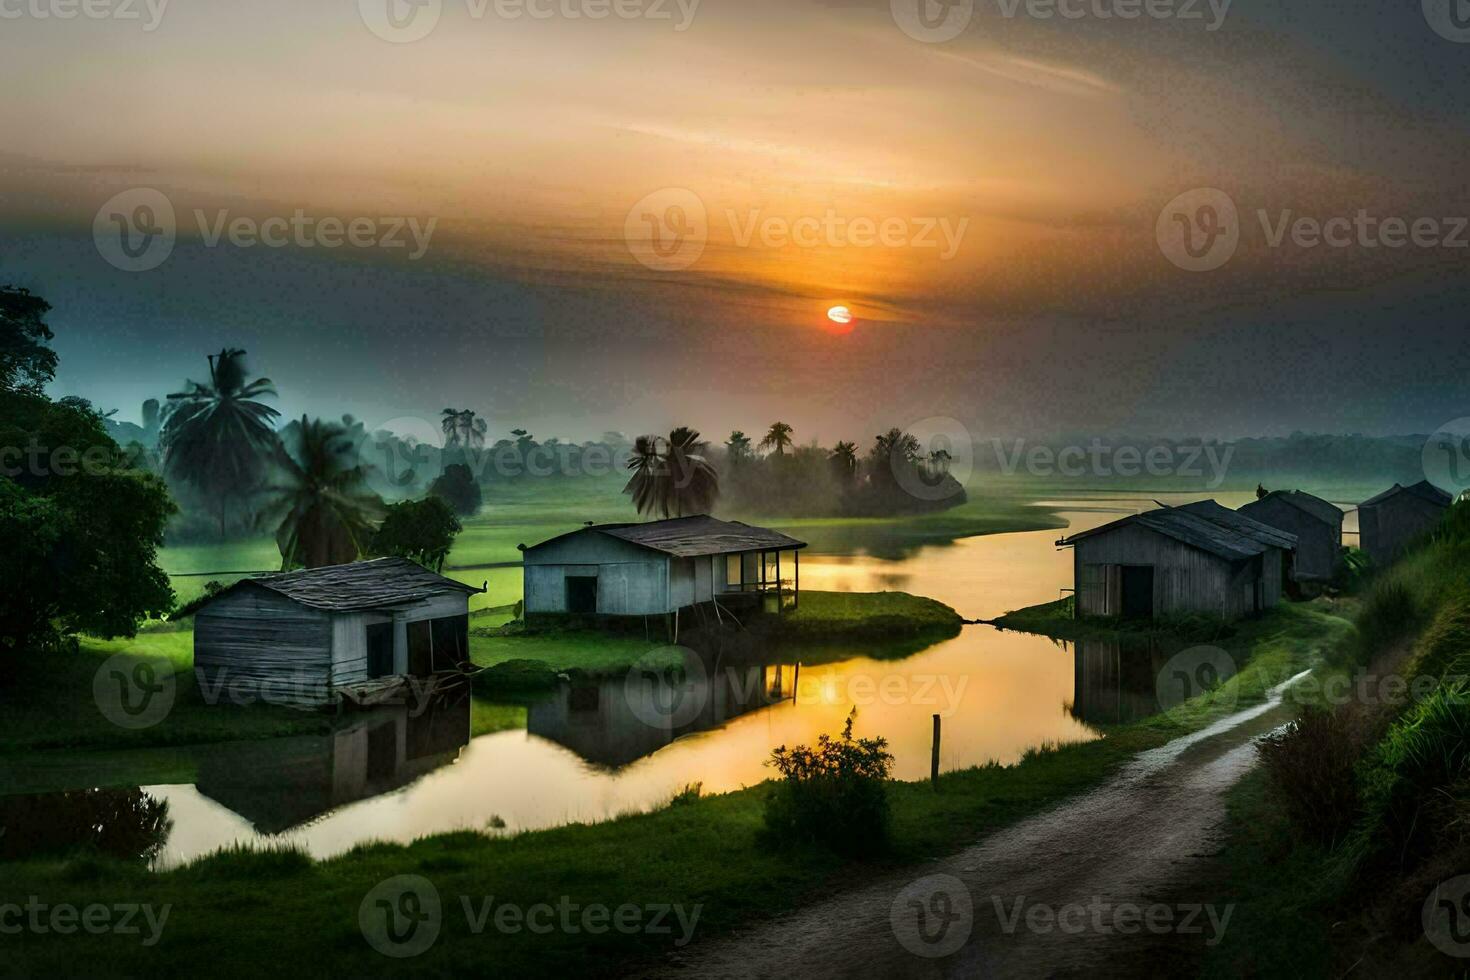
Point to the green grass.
(526, 513)
(840, 616)
(704, 852)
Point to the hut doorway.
(582, 594)
(380, 649)
(1138, 591)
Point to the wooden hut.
(1202, 559)
(660, 567)
(1389, 522)
(1316, 523)
(310, 638)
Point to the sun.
(840, 315)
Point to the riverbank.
(697, 852)
(1057, 620)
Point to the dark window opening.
(1138, 591)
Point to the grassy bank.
(698, 851)
(1363, 808)
(1057, 620)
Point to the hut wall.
(631, 581)
(1318, 543)
(1389, 527)
(273, 647)
(681, 582)
(1185, 579)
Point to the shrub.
(835, 794)
(1310, 766)
(1353, 570)
(1389, 613)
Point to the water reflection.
(285, 782)
(1115, 684)
(611, 723)
(123, 823)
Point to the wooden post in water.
(934, 757)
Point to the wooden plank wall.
(259, 642)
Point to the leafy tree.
(778, 438)
(320, 500)
(419, 530)
(457, 486)
(216, 437)
(81, 529)
(26, 362)
(672, 477)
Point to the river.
(599, 750)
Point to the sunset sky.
(1045, 148)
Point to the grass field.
(527, 513)
(704, 852)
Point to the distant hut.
(1201, 559)
(660, 567)
(1390, 521)
(310, 638)
(1316, 523)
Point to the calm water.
(598, 750)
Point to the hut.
(313, 637)
(1316, 523)
(1200, 559)
(660, 567)
(1389, 522)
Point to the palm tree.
(216, 437)
(738, 446)
(321, 499)
(778, 438)
(895, 445)
(939, 461)
(672, 476)
(463, 429)
(844, 459)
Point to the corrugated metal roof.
(376, 584)
(1217, 513)
(1191, 529)
(692, 537)
(1423, 489)
(1323, 510)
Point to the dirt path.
(1131, 843)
